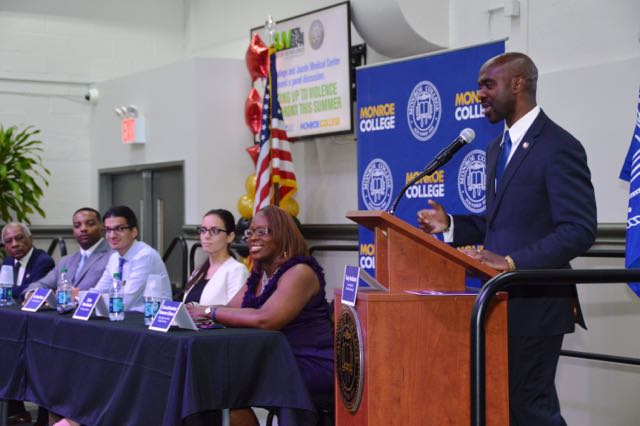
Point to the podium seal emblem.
(424, 110)
(349, 358)
(377, 185)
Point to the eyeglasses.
(211, 231)
(261, 231)
(116, 230)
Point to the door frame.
(105, 191)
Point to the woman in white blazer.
(221, 276)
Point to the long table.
(104, 373)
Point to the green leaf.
(22, 173)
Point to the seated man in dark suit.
(29, 264)
(85, 267)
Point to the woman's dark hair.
(122, 211)
(230, 226)
(227, 218)
(229, 223)
(285, 233)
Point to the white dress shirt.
(140, 261)
(519, 128)
(23, 266)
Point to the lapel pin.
(525, 145)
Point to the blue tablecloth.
(104, 373)
(13, 331)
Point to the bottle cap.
(154, 286)
(6, 274)
(63, 270)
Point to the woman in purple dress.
(286, 292)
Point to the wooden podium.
(416, 357)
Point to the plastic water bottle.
(116, 299)
(151, 307)
(6, 286)
(152, 298)
(6, 294)
(65, 304)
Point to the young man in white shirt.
(133, 259)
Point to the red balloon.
(253, 111)
(257, 58)
(253, 153)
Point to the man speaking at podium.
(541, 213)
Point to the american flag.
(631, 173)
(275, 163)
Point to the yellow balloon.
(290, 205)
(250, 184)
(245, 206)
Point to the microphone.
(465, 137)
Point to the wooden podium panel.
(417, 361)
(416, 349)
(409, 259)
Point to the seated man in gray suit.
(85, 267)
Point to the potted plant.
(22, 174)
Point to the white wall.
(586, 50)
(88, 40)
(194, 113)
(64, 122)
(224, 31)
(602, 117)
(596, 393)
(51, 51)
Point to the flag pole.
(274, 186)
(270, 28)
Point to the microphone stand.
(430, 169)
(441, 159)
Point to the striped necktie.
(121, 267)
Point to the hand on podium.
(434, 220)
(487, 257)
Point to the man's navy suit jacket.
(543, 215)
(40, 263)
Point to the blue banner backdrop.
(407, 112)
